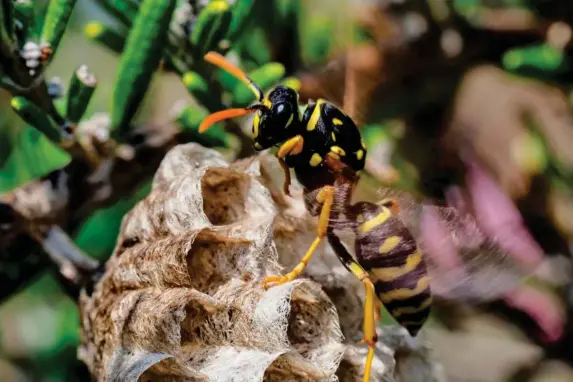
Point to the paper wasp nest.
(181, 297)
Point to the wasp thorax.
(277, 119)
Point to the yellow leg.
(286, 171)
(369, 323)
(291, 147)
(326, 197)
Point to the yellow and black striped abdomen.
(386, 249)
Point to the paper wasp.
(326, 152)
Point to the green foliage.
(143, 52)
(147, 37)
(7, 27)
(189, 118)
(80, 92)
(243, 15)
(539, 60)
(98, 235)
(106, 36)
(124, 10)
(200, 91)
(211, 26)
(265, 76)
(34, 116)
(316, 48)
(30, 156)
(57, 16)
(25, 14)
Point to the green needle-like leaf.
(227, 81)
(37, 118)
(105, 35)
(57, 17)
(266, 77)
(25, 15)
(124, 10)
(141, 57)
(188, 118)
(255, 49)
(540, 58)
(242, 15)
(292, 82)
(7, 26)
(211, 27)
(80, 93)
(199, 89)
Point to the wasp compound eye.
(283, 114)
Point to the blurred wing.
(463, 263)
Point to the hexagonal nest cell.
(181, 297)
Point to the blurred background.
(466, 102)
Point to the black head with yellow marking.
(278, 119)
(277, 116)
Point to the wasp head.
(277, 118)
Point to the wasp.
(325, 149)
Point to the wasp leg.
(371, 303)
(291, 147)
(369, 323)
(286, 171)
(326, 197)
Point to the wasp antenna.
(212, 119)
(220, 61)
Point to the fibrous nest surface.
(181, 297)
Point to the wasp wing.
(463, 262)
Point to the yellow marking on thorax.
(315, 160)
(315, 116)
(333, 137)
(412, 309)
(290, 120)
(336, 121)
(359, 154)
(363, 144)
(256, 123)
(338, 150)
(370, 224)
(392, 273)
(360, 218)
(405, 293)
(267, 102)
(389, 244)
